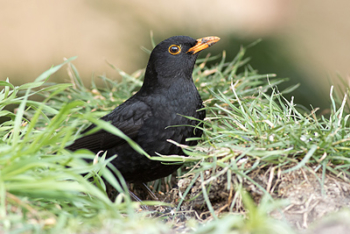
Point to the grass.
(250, 126)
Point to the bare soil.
(311, 199)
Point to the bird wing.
(128, 117)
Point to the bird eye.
(174, 49)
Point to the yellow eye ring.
(174, 49)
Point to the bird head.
(174, 58)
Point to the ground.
(308, 200)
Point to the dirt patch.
(310, 198)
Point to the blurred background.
(306, 41)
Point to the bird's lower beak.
(203, 43)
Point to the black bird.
(166, 96)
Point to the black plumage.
(154, 113)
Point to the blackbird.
(156, 113)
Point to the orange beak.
(203, 43)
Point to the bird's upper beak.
(203, 43)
